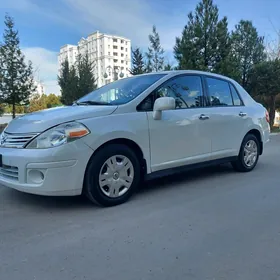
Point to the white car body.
(179, 138)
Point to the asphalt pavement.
(205, 224)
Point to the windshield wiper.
(89, 102)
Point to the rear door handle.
(241, 114)
(203, 117)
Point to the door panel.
(227, 129)
(179, 138)
(226, 118)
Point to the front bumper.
(56, 171)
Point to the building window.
(126, 49)
(115, 54)
(115, 40)
(122, 55)
(126, 63)
(122, 48)
(122, 41)
(115, 47)
(126, 42)
(122, 61)
(122, 68)
(115, 60)
(109, 46)
(109, 53)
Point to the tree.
(168, 67)
(247, 49)
(224, 62)
(16, 79)
(138, 65)
(9, 109)
(272, 46)
(68, 82)
(86, 79)
(155, 59)
(2, 108)
(52, 100)
(41, 102)
(76, 81)
(38, 103)
(205, 43)
(265, 78)
(277, 102)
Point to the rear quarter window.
(235, 96)
(219, 92)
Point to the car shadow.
(185, 177)
(62, 203)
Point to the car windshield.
(121, 91)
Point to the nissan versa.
(109, 140)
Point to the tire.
(243, 165)
(109, 173)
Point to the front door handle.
(203, 117)
(241, 114)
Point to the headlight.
(59, 135)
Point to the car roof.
(178, 72)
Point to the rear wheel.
(249, 154)
(112, 175)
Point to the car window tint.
(186, 90)
(236, 99)
(219, 92)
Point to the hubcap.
(250, 153)
(116, 176)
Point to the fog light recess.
(36, 176)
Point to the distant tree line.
(36, 102)
(205, 43)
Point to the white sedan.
(147, 125)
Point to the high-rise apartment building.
(110, 54)
(38, 89)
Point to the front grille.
(9, 172)
(13, 140)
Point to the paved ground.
(209, 224)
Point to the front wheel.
(112, 175)
(249, 154)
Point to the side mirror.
(163, 104)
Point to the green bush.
(2, 126)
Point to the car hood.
(42, 120)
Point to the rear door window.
(219, 92)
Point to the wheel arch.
(129, 143)
(258, 135)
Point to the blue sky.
(45, 25)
